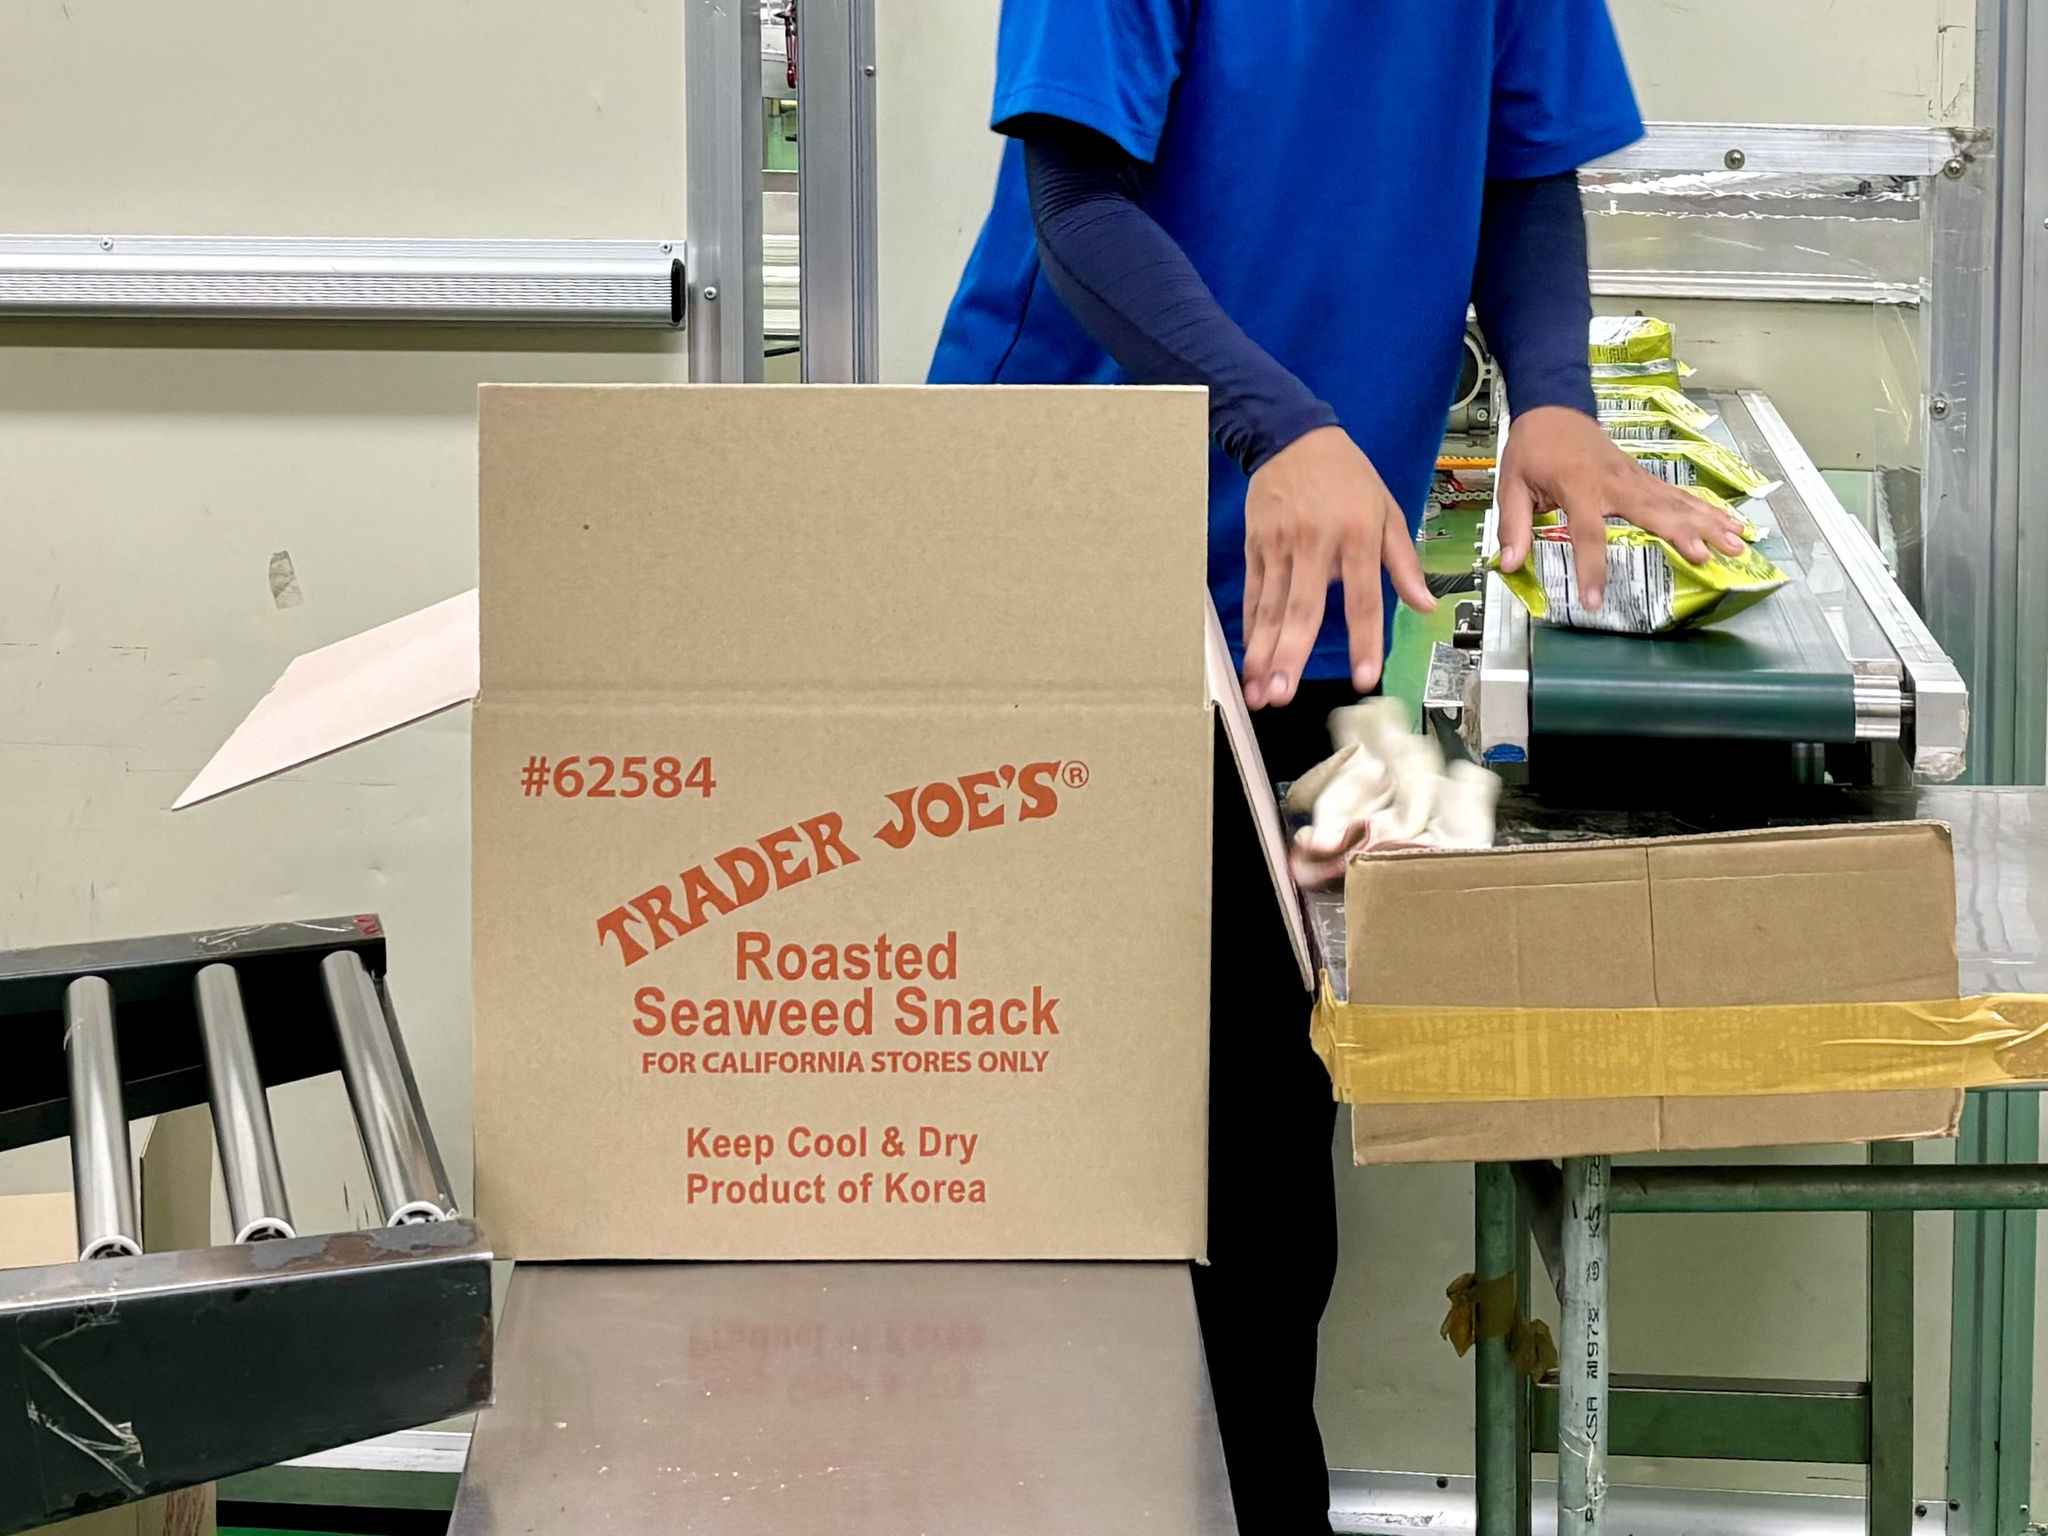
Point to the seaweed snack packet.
(1614, 396)
(1648, 427)
(1651, 588)
(1696, 465)
(1634, 350)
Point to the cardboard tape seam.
(1401, 1054)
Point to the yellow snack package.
(1615, 396)
(1700, 465)
(1649, 427)
(1635, 351)
(1628, 339)
(1651, 588)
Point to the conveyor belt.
(1835, 659)
(1772, 673)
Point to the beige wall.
(378, 117)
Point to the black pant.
(1272, 1193)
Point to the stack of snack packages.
(1651, 587)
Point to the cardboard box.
(841, 785)
(1846, 914)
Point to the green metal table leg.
(1888, 1509)
(1991, 1351)
(1496, 1391)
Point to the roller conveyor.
(1836, 659)
(132, 1374)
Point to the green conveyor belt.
(1772, 673)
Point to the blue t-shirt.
(1322, 163)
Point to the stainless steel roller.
(395, 1144)
(102, 1171)
(257, 1204)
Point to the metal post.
(1701, 1190)
(258, 1206)
(1582, 1372)
(722, 102)
(1888, 1501)
(395, 1147)
(102, 1169)
(1986, 512)
(836, 190)
(1495, 1385)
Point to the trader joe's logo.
(805, 850)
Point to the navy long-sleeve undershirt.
(1136, 293)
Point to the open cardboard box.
(841, 853)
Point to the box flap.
(349, 692)
(1227, 695)
(986, 589)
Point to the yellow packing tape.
(1385, 1054)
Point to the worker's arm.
(1315, 510)
(1533, 295)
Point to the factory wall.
(151, 477)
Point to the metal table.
(910, 1398)
(2001, 847)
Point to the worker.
(1292, 202)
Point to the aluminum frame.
(1939, 704)
(722, 107)
(838, 330)
(1869, 151)
(1987, 466)
(570, 282)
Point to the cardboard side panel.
(1022, 1075)
(1478, 931)
(1866, 916)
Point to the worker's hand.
(1318, 512)
(1559, 457)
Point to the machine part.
(102, 1168)
(1473, 399)
(1768, 287)
(1875, 151)
(722, 102)
(140, 1376)
(1582, 1351)
(1452, 669)
(402, 1165)
(1074, 1399)
(163, 1068)
(258, 1207)
(576, 282)
(1939, 704)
